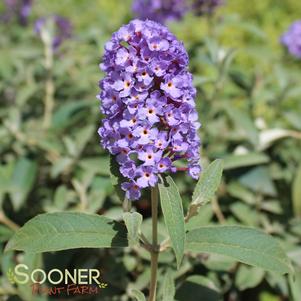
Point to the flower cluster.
(292, 39)
(54, 28)
(159, 10)
(18, 8)
(148, 102)
(203, 7)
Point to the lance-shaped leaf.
(208, 183)
(206, 187)
(133, 221)
(67, 230)
(247, 245)
(171, 204)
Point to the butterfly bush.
(18, 8)
(159, 10)
(61, 29)
(147, 98)
(292, 39)
(202, 7)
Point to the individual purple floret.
(205, 7)
(292, 39)
(59, 28)
(159, 10)
(147, 98)
(20, 9)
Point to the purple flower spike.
(203, 7)
(148, 102)
(59, 29)
(18, 8)
(159, 11)
(292, 39)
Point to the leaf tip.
(10, 246)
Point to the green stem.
(49, 86)
(155, 247)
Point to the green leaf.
(248, 277)
(60, 166)
(169, 288)
(5, 233)
(6, 172)
(247, 245)
(171, 204)
(240, 192)
(68, 230)
(67, 113)
(247, 215)
(217, 262)
(297, 193)
(203, 218)
(96, 165)
(241, 80)
(133, 221)
(206, 187)
(25, 92)
(116, 177)
(138, 295)
(258, 179)
(198, 287)
(237, 161)
(208, 183)
(244, 124)
(295, 286)
(23, 178)
(82, 137)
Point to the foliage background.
(249, 92)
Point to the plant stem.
(8, 222)
(146, 244)
(217, 210)
(155, 247)
(49, 86)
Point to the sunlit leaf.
(171, 204)
(247, 245)
(206, 187)
(60, 231)
(208, 183)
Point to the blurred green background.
(249, 92)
